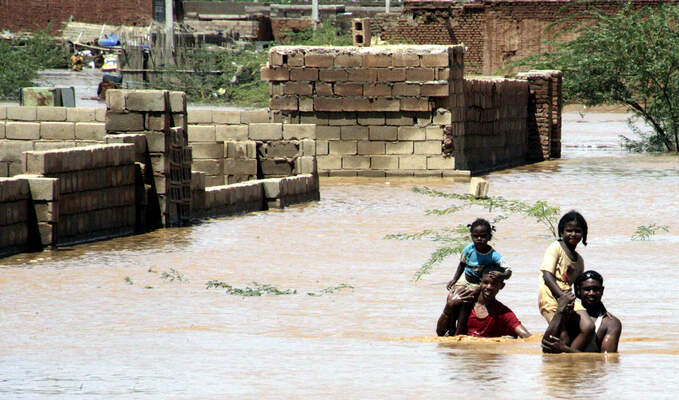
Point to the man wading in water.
(489, 317)
(589, 287)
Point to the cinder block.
(440, 162)
(198, 116)
(209, 167)
(268, 73)
(177, 102)
(240, 167)
(428, 147)
(348, 89)
(273, 187)
(401, 59)
(299, 131)
(202, 133)
(371, 118)
(228, 117)
(22, 130)
(478, 187)
(354, 132)
(207, 150)
(57, 130)
(348, 60)
(42, 145)
(304, 74)
(10, 150)
(383, 162)
(240, 150)
(306, 165)
(442, 117)
(48, 233)
(328, 104)
(214, 180)
(377, 89)
(254, 116)
(100, 114)
(411, 133)
(434, 133)
(332, 75)
(371, 147)
(265, 131)
(157, 121)
(279, 149)
(376, 60)
(138, 140)
(385, 104)
(412, 162)
(327, 132)
(415, 104)
(305, 103)
(435, 89)
(329, 162)
(308, 147)
(20, 113)
(81, 114)
(406, 89)
(420, 74)
(145, 100)
(115, 100)
(284, 103)
(3, 112)
(361, 74)
(355, 162)
(399, 148)
(323, 89)
(51, 113)
(231, 132)
(124, 121)
(322, 147)
(391, 75)
(276, 167)
(434, 60)
(343, 147)
(383, 133)
(42, 188)
(298, 88)
(2, 129)
(319, 60)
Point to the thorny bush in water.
(259, 289)
(454, 239)
(173, 275)
(646, 232)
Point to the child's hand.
(450, 284)
(496, 275)
(565, 302)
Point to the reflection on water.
(101, 320)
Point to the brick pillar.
(557, 106)
(539, 121)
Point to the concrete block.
(406, 89)
(240, 150)
(377, 89)
(231, 132)
(214, 180)
(177, 102)
(383, 133)
(273, 187)
(442, 117)
(209, 167)
(15, 168)
(434, 133)
(371, 147)
(42, 188)
(306, 165)
(435, 89)
(355, 162)
(240, 167)
(354, 132)
(207, 150)
(57, 130)
(341, 119)
(48, 233)
(399, 147)
(22, 130)
(304, 74)
(371, 118)
(319, 60)
(81, 114)
(2, 129)
(124, 121)
(478, 187)
(139, 140)
(51, 113)
(254, 116)
(411, 133)
(305, 104)
(115, 100)
(322, 147)
(434, 60)
(348, 60)
(276, 167)
(343, 147)
(199, 116)
(307, 147)
(405, 60)
(440, 162)
(90, 131)
(412, 162)
(279, 149)
(361, 74)
(3, 112)
(265, 131)
(100, 114)
(42, 145)
(13, 189)
(383, 162)
(197, 180)
(391, 75)
(227, 117)
(420, 74)
(329, 162)
(19, 113)
(348, 89)
(428, 147)
(284, 103)
(376, 60)
(146, 100)
(202, 133)
(371, 173)
(10, 150)
(157, 121)
(299, 131)
(415, 104)
(332, 75)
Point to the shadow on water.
(567, 375)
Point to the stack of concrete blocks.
(540, 114)
(234, 199)
(92, 195)
(376, 108)
(44, 128)
(160, 115)
(282, 192)
(15, 216)
(197, 193)
(494, 133)
(284, 149)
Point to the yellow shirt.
(566, 266)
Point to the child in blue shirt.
(473, 259)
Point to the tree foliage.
(629, 57)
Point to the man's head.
(491, 285)
(589, 287)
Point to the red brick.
(319, 60)
(348, 89)
(332, 75)
(304, 74)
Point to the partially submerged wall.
(16, 216)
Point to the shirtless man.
(589, 287)
(489, 317)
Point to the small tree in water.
(627, 58)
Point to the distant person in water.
(473, 259)
(589, 288)
(488, 317)
(560, 267)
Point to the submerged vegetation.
(259, 289)
(646, 232)
(453, 240)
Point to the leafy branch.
(646, 232)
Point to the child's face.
(572, 233)
(480, 237)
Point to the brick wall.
(16, 218)
(36, 15)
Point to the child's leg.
(463, 314)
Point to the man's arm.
(611, 335)
(453, 301)
(521, 331)
(555, 337)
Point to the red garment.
(501, 321)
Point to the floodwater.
(100, 321)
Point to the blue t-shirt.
(475, 261)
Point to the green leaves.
(646, 232)
(259, 289)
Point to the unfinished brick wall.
(378, 111)
(544, 117)
(39, 15)
(16, 219)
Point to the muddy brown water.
(73, 327)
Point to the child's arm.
(550, 281)
(460, 269)
(556, 337)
